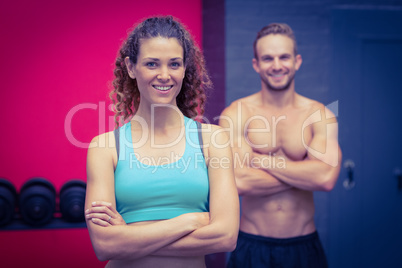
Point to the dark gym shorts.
(255, 251)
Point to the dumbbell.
(37, 201)
(8, 201)
(72, 201)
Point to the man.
(285, 147)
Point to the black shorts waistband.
(280, 241)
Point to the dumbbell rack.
(38, 206)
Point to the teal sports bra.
(146, 192)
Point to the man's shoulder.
(242, 103)
(315, 108)
(309, 103)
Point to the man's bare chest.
(282, 133)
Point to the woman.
(155, 195)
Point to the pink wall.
(56, 67)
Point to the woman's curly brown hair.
(192, 96)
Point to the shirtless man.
(285, 147)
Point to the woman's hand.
(104, 214)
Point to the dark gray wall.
(213, 15)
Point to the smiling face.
(159, 70)
(276, 63)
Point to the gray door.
(365, 213)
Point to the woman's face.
(159, 70)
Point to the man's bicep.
(232, 122)
(324, 145)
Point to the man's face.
(276, 63)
